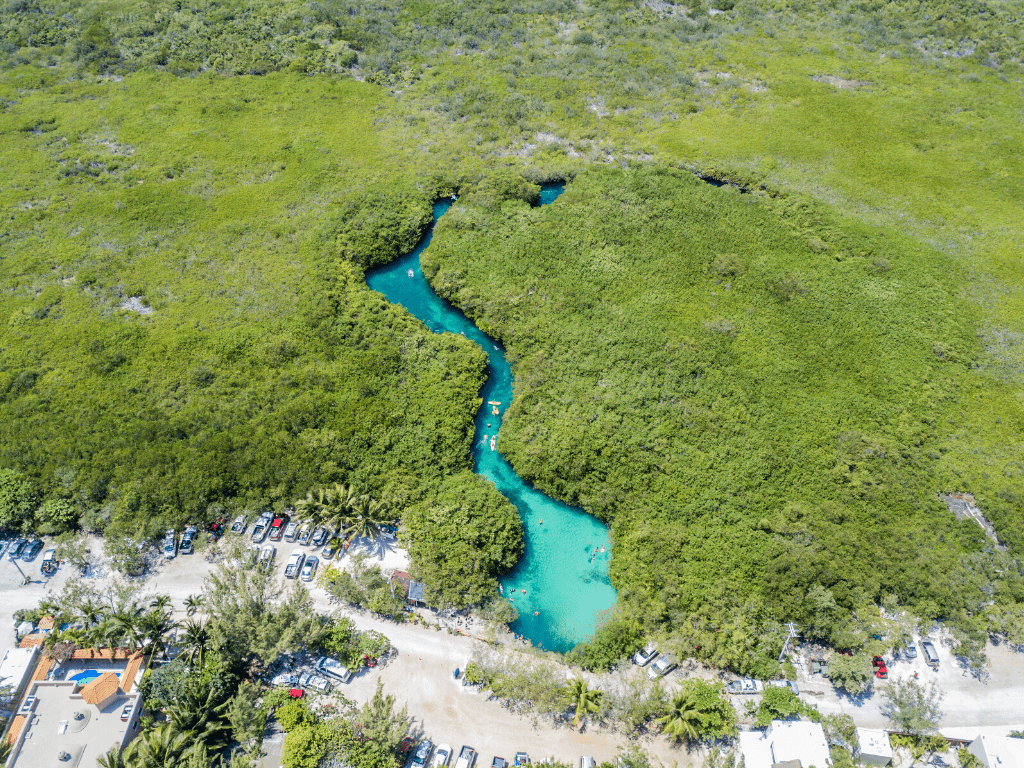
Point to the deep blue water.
(563, 577)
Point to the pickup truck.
(746, 685)
(291, 570)
(467, 758)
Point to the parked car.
(261, 528)
(291, 532)
(309, 569)
(645, 654)
(333, 668)
(3, 547)
(931, 656)
(321, 535)
(783, 684)
(267, 557)
(187, 539)
(521, 759)
(746, 685)
(661, 667)
(332, 548)
(911, 652)
(32, 550)
(305, 533)
(170, 544)
(277, 526)
(126, 711)
(17, 548)
(309, 680)
(467, 758)
(239, 525)
(881, 671)
(587, 762)
(50, 562)
(295, 559)
(422, 753)
(442, 755)
(287, 679)
(499, 762)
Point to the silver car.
(661, 667)
(783, 684)
(645, 654)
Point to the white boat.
(410, 273)
(492, 442)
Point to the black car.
(17, 547)
(32, 550)
(422, 754)
(321, 535)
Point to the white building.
(15, 672)
(998, 751)
(786, 742)
(56, 726)
(875, 748)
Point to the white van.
(333, 668)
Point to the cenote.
(561, 585)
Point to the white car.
(170, 544)
(291, 532)
(467, 758)
(746, 685)
(333, 668)
(442, 756)
(239, 525)
(309, 569)
(291, 570)
(645, 654)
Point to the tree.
(367, 517)
(716, 715)
(305, 746)
(583, 699)
(194, 640)
(500, 611)
(778, 704)
(192, 604)
(17, 499)
(114, 758)
(247, 719)
(162, 747)
(682, 723)
(380, 724)
(56, 516)
(852, 674)
(912, 707)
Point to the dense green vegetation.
(753, 390)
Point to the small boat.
(410, 273)
(492, 441)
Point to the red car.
(277, 527)
(881, 671)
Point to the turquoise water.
(563, 577)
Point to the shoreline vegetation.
(763, 394)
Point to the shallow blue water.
(563, 577)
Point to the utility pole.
(791, 636)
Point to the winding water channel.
(561, 585)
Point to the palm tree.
(91, 613)
(113, 759)
(681, 722)
(368, 515)
(160, 602)
(584, 699)
(162, 747)
(193, 603)
(194, 640)
(153, 627)
(126, 622)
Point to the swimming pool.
(87, 676)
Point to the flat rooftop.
(15, 669)
(62, 720)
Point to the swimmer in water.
(536, 613)
(602, 549)
(542, 522)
